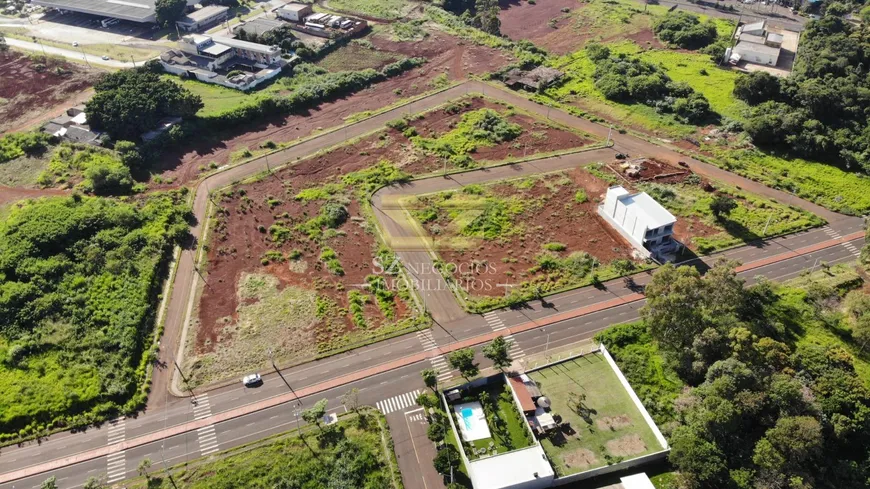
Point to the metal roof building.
(132, 10)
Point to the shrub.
(555, 247)
(685, 30)
(580, 196)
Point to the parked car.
(252, 380)
(106, 58)
(683, 164)
(75, 44)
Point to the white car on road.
(252, 380)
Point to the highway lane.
(397, 382)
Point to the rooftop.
(296, 7)
(132, 10)
(510, 469)
(742, 46)
(258, 26)
(656, 215)
(203, 14)
(249, 46)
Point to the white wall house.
(641, 220)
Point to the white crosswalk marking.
(836, 235)
(398, 403)
(202, 408)
(494, 321)
(417, 417)
(440, 365)
(116, 463)
(514, 350)
(116, 467)
(208, 443)
(427, 340)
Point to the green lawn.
(747, 222)
(356, 455)
(611, 427)
(513, 435)
(215, 98)
(826, 185)
(382, 9)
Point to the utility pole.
(764, 233)
(133, 60)
(85, 57)
(186, 383)
(609, 134)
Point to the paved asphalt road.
(68, 53)
(172, 412)
(373, 390)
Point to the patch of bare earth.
(625, 445)
(523, 20)
(33, 90)
(445, 54)
(559, 219)
(12, 194)
(579, 458)
(238, 245)
(613, 422)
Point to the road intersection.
(387, 373)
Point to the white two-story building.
(641, 220)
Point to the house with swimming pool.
(553, 424)
(498, 448)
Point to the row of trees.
(760, 411)
(822, 109)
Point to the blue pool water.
(467, 414)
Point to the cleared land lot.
(538, 232)
(600, 427)
(291, 270)
(29, 86)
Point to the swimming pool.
(471, 421)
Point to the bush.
(685, 30)
(555, 247)
(19, 144)
(580, 196)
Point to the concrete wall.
(638, 245)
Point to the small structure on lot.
(641, 220)
(203, 18)
(328, 25)
(73, 126)
(294, 12)
(537, 79)
(755, 44)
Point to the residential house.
(642, 221)
(73, 126)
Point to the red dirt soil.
(578, 227)
(237, 246)
(12, 194)
(537, 137)
(522, 20)
(32, 95)
(445, 54)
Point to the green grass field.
(356, 455)
(215, 98)
(382, 9)
(23, 171)
(608, 428)
(747, 222)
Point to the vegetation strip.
(378, 369)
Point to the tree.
(350, 399)
(672, 310)
(497, 351)
(430, 377)
(446, 460)
(128, 103)
(463, 360)
(721, 206)
(427, 400)
(756, 87)
(50, 483)
(316, 413)
(143, 468)
(436, 432)
(108, 177)
(4, 47)
(865, 14)
(93, 483)
(685, 30)
(168, 11)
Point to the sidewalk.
(379, 369)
